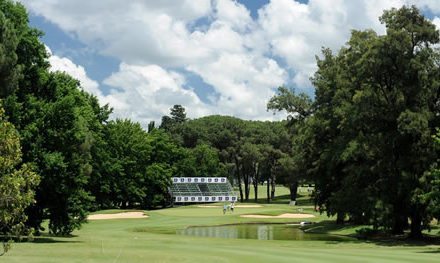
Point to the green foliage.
(292, 166)
(298, 106)
(178, 116)
(60, 138)
(9, 67)
(245, 151)
(17, 185)
(370, 134)
(58, 123)
(137, 167)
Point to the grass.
(154, 240)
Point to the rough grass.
(154, 240)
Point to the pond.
(259, 231)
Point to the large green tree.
(376, 109)
(58, 123)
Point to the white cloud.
(217, 40)
(145, 93)
(142, 93)
(297, 32)
(436, 22)
(64, 64)
(244, 83)
(433, 5)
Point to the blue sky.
(211, 56)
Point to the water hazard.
(259, 231)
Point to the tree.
(58, 123)
(178, 116)
(59, 140)
(17, 185)
(9, 69)
(376, 109)
(138, 167)
(300, 108)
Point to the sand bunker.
(287, 215)
(117, 216)
(237, 206)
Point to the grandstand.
(202, 190)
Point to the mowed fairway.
(153, 239)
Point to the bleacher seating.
(201, 188)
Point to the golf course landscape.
(155, 239)
(219, 131)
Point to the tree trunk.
(256, 191)
(237, 171)
(272, 191)
(398, 224)
(247, 187)
(256, 181)
(293, 190)
(268, 189)
(240, 189)
(416, 225)
(340, 218)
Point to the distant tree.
(151, 126)
(177, 116)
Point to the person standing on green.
(224, 208)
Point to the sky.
(211, 56)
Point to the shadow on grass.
(433, 251)
(49, 240)
(379, 238)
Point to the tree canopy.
(375, 113)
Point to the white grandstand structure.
(202, 190)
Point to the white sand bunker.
(117, 216)
(287, 215)
(238, 206)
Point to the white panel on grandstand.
(202, 190)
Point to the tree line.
(249, 153)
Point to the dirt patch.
(287, 215)
(117, 216)
(237, 206)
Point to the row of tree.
(367, 138)
(248, 152)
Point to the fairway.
(154, 239)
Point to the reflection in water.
(258, 231)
